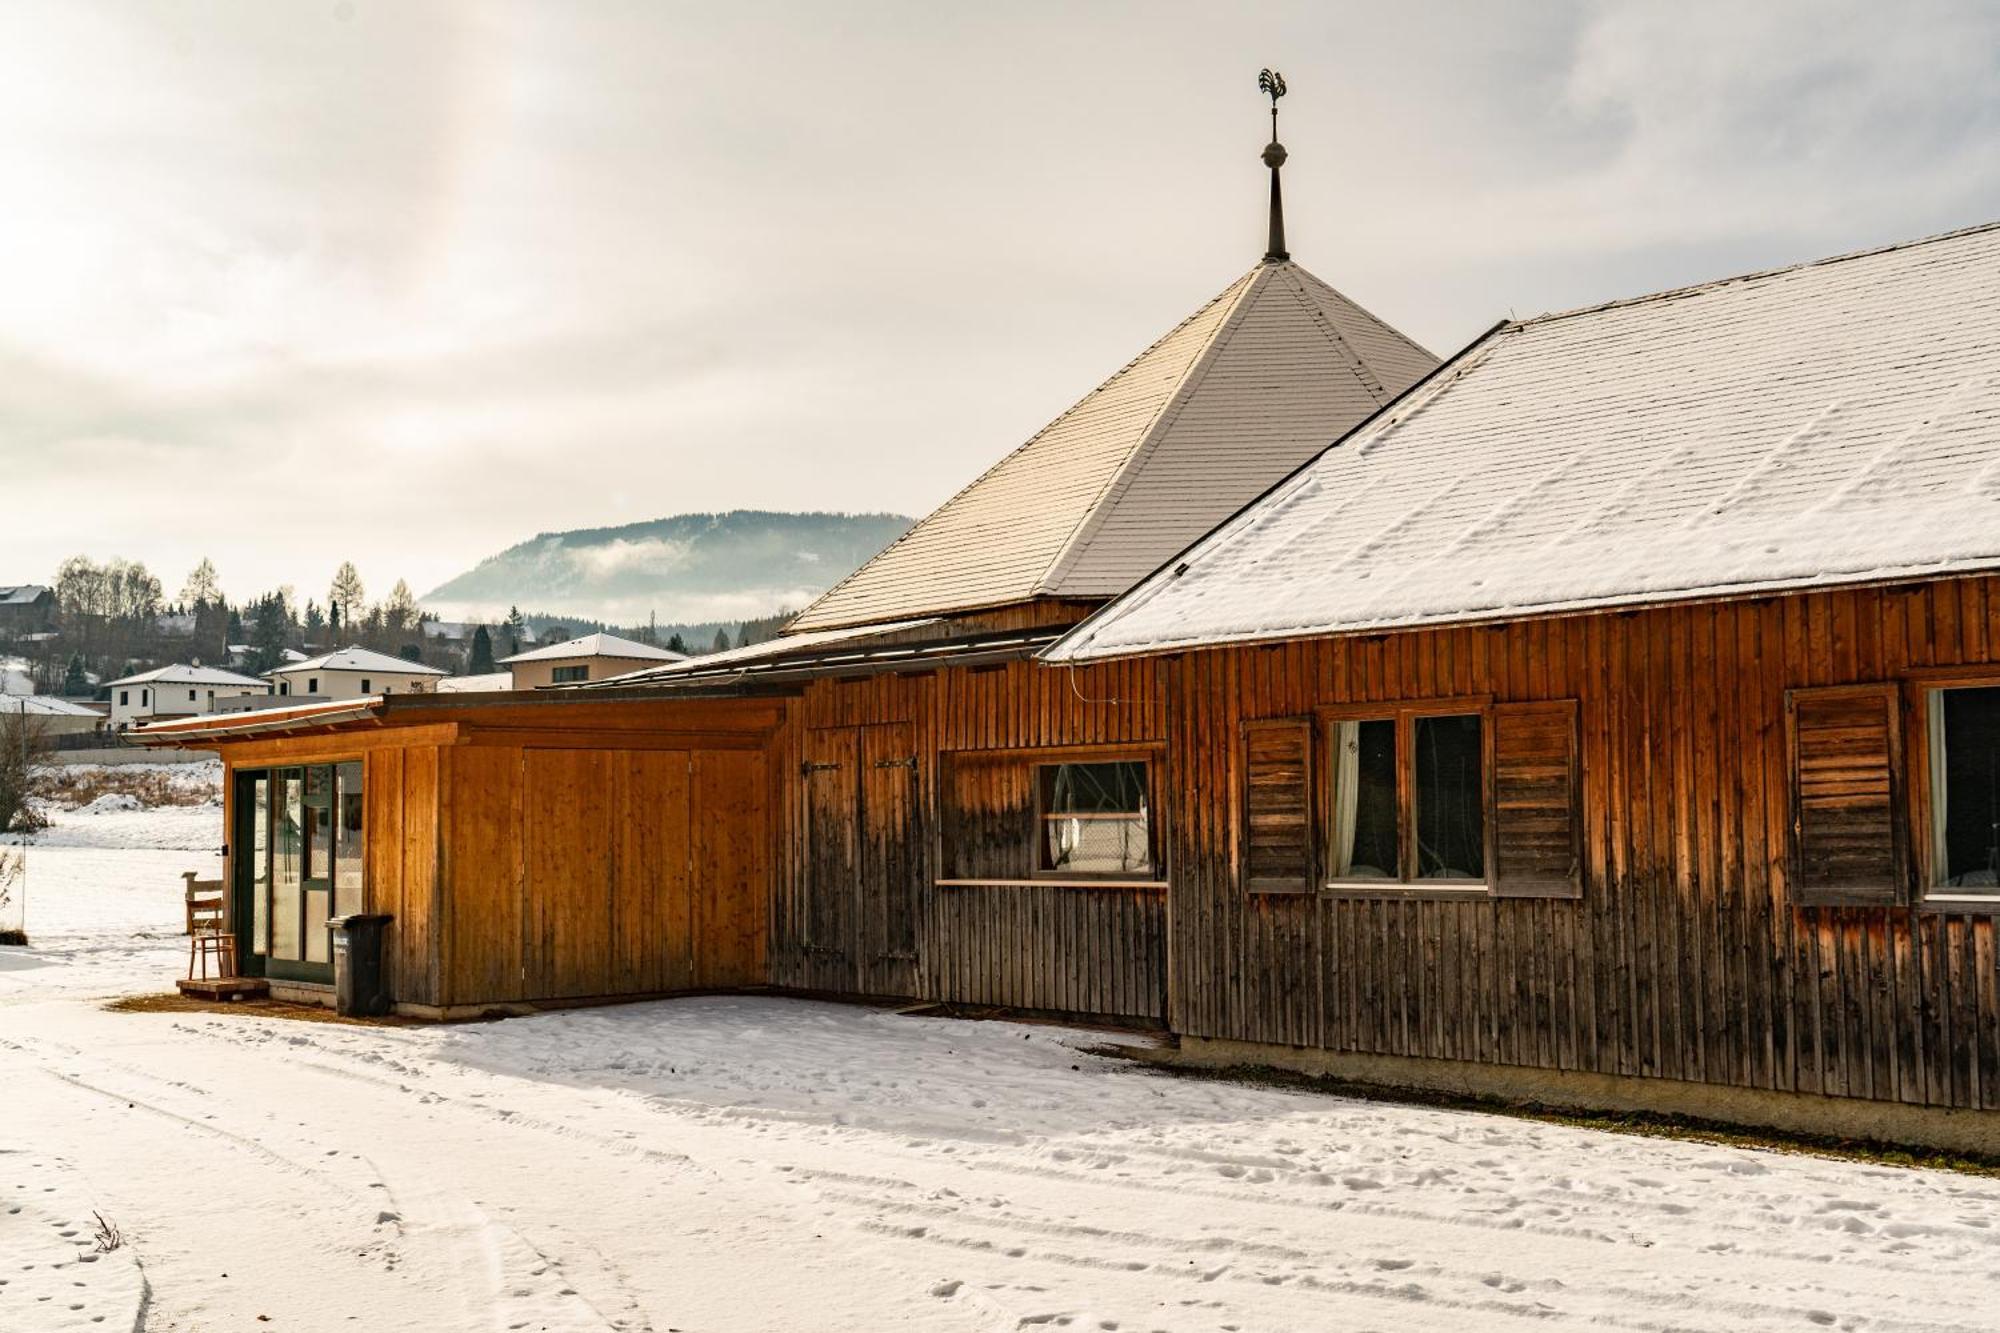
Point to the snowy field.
(734, 1164)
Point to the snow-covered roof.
(45, 705)
(21, 594)
(358, 659)
(1833, 423)
(595, 645)
(757, 652)
(1247, 388)
(181, 674)
(487, 682)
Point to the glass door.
(301, 874)
(251, 844)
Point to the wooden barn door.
(862, 852)
(889, 858)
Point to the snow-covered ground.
(730, 1164)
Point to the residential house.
(179, 690)
(353, 673)
(592, 657)
(52, 717)
(26, 608)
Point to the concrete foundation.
(1942, 1128)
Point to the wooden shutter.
(1537, 801)
(1277, 806)
(1846, 757)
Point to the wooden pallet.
(225, 988)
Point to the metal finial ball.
(1274, 155)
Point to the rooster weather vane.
(1272, 85)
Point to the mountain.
(690, 567)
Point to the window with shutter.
(1277, 806)
(1537, 801)
(1845, 745)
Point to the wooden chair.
(209, 939)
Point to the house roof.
(1246, 388)
(749, 654)
(595, 645)
(1832, 423)
(181, 674)
(46, 705)
(22, 594)
(487, 682)
(358, 659)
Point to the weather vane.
(1272, 85)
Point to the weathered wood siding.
(1685, 956)
(859, 909)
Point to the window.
(1965, 788)
(190, 696)
(124, 697)
(364, 686)
(145, 697)
(567, 673)
(1409, 798)
(312, 685)
(284, 687)
(1094, 819)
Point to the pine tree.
(676, 644)
(482, 652)
(721, 644)
(75, 683)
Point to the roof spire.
(1272, 84)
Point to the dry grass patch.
(74, 787)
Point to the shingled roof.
(1247, 388)
(1832, 423)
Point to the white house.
(50, 715)
(176, 691)
(592, 657)
(354, 673)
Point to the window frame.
(1404, 713)
(1031, 759)
(1918, 689)
(570, 674)
(1150, 874)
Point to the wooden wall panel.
(731, 860)
(652, 905)
(484, 899)
(1687, 956)
(1086, 951)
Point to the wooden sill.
(1938, 901)
(1050, 882)
(1449, 890)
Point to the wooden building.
(1609, 715)
(939, 817)
(1616, 718)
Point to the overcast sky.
(404, 283)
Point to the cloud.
(293, 284)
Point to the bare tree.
(202, 588)
(347, 594)
(24, 781)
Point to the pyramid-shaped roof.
(1240, 393)
(1830, 424)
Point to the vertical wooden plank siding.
(1687, 954)
(1092, 951)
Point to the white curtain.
(1346, 794)
(1940, 849)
